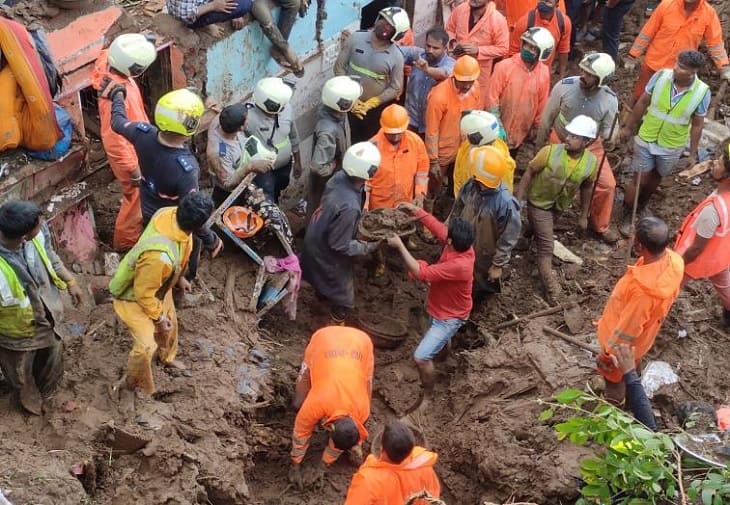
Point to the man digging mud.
(449, 301)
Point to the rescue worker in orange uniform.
(482, 145)
(520, 85)
(142, 286)
(127, 57)
(515, 9)
(398, 469)
(553, 20)
(676, 26)
(446, 101)
(704, 237)
(480, 31)
(333, 390)
(639, 302)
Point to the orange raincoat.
(520, 94)
(443, 115)
(120, 153)
(490, 34)
(340, 363)
(402, 174)
(379, 482)
(638, 305)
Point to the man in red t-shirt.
(449, 300)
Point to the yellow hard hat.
(466, 68)
(490, 165)
(179, 112)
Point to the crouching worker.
(31, 276)
(399, 470)
(333, 390)
(142, 286)
(450, 281)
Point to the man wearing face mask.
(520, 85)
(480, 31)
(430, 66)
(677, 25)
(557, 23)
(374, 56)
(589, 95)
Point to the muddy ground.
(219, 433)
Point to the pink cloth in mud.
(287, 264)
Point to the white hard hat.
(583, 126)
(341, 92)
(361, 160)
(540, 38)
(480, 127)
(271, 94)
(398, 19)
(131, 53)
(599, 64)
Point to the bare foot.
(214, 31)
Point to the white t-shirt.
(707, 222)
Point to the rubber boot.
(549, 280)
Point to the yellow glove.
(362, 108)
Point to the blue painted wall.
(236, 63)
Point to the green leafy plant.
(633, 465)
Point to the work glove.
(109, 87)
(725, 73)
(361, 108)
(630, 64)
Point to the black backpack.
(561, 21)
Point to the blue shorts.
(437, 336)
(648, 157)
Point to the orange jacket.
(716, 256)
(515, 9)
(119, 151)
(669, 31)
(520, 94)
(402, 174)
(443, 114)
(490, 34)
(378, 482)
(638, 305)
(340, 364)
(562, 39)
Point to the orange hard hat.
(242, 221)
(466, 68)
(489, 164)
(394, 119)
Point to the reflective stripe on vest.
(667, 124)
(39, 242)
(367, 72)
(554, 186)
(281, 144)
(16, 313)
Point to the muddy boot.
(624, 226)
(30, 398)
(609, 236)
(549, 280)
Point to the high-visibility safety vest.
(716, 256)
(555, 186)
(17, 319)
(667, 125)
(121, 286)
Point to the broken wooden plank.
(571, 340)
(533, 315)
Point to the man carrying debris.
(589, 95)
(429, 66)
(449, 300)
(520, 85)
(142, 286)
(675, 26)
(375, 57)
(704, 237)
(31, 276)
(550, 184)
(331, 137)
(671, 110)
(207, 13)
(482, 145)
(446, 102)
(333, 390)
(127, 57)
(329, 243)
(395, 471)
(168, 167)
(229, 161)
(489, 206)
(271, 120)
(639, 302)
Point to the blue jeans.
(210, 18)
(437, 336)
(612, 20)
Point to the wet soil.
(382, 223)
